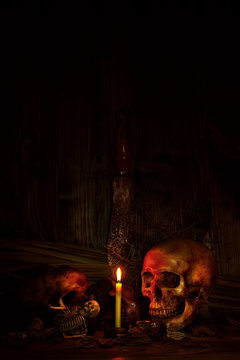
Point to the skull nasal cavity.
(158, 293)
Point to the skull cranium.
(60, 287)
(177, 276)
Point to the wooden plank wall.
(59, 124)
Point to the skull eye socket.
(169, 279)
(147, 278)
(70, 298)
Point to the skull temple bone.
(177, 276)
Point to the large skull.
(177, 276)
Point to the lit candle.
(118, 299)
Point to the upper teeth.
(163, 313)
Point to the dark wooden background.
(65, 72)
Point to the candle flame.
(119, 274)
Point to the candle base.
(120, 331)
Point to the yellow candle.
(118, 299)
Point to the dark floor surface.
(227, 348)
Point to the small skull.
(91, 309)
(177, 276)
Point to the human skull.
(177, 276)
(60, 287)
(91, 309)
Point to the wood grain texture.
(60, 90)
